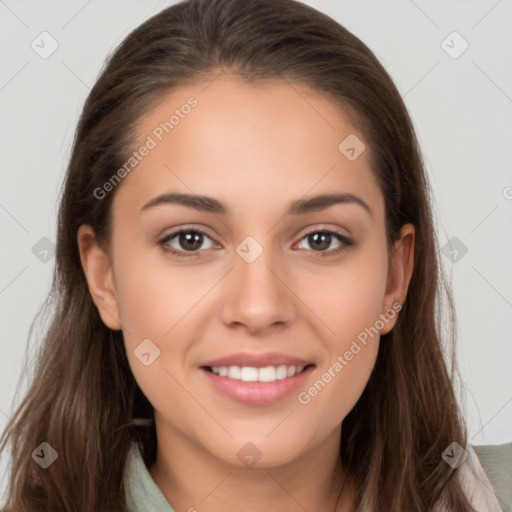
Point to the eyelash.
(345, 243)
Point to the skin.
(255, 148)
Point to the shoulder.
(477, 484)
(496, 461)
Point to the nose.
(258, 296)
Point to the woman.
(245, 292)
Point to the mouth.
(257, 386)
(254, 374)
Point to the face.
(252, 316)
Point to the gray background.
(461, 107)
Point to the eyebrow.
(299, 207)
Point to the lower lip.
(257, 393)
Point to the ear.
(98, 273)
(399, 275)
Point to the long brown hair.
(83, 394)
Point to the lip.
(257, 393)
(255, 360)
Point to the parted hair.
(82, 395)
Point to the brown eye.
(184, 241)
(190, 241)
(319, 241)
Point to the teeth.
(234, 372)
(268, 374)
(248, 374)
(281, 372)
(251, 374)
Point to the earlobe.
(98, 272)
(400, 272)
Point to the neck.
(191, 479)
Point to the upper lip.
(257, 360)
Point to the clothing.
(143, 495)
(477, 486)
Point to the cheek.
(349, 302)
(337, 387)
(349, 355)
(151, 299)
(347, 297)
(160, 301)
(152, 294)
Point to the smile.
(252, 374)
(257, 386)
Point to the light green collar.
(142, 493)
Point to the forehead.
(269, 141)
